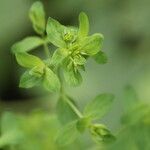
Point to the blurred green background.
(125, 25)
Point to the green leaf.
(55, 33)
(58, 57)
(100, 57)
(92, 45)
(37, 17)
(36, 71)
(130, 98)
(28, 80)
(83, 124)
(51, 81)
(83, 25)
(67, 134)
(28, 61)
(72, 78)
(64, 111)
(98, 107)
(27, 44)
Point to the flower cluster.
(74, 47)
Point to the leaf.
(98, 107)
(28, 80)
(36, 71)
(51, 81)
(27, 44)
(55, 33)
(92, 45)
(100, 57)
(37, 17)
(130, 98)
(58, 57)
(64, 111)
(67, 134)
(83, 25)
(28, 61)
(72, 78)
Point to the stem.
(46, 50)
(75, 109)
(62, 92)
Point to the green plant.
(73, 48)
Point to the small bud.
(100, 133)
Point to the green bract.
(50, 80)
(27, 44)
(37, 16)
(83, 25)
(29, 61)
(29, 80)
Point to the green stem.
(62, 93)
(75, 109)
(46, 49)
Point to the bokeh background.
(125, 25)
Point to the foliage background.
(125, 25)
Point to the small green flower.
(74, 46)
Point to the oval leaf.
(100, 57)
(28, 61)
(83, 25)
(28, 81)
(27, 44)
(98, 107)
(37, 17)
(55, 33)
(92, 45)
(51, 81)
(72, 78)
